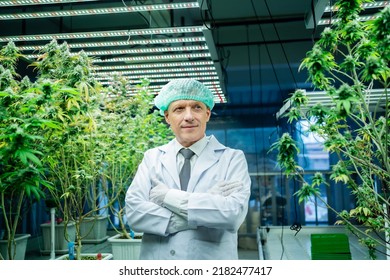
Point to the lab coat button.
(172, 252)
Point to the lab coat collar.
(197, 147)
(168, 160)
(206, 159)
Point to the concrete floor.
(34, 252)
(278, 243)
(282, 243)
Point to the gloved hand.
(226, 188)
(158, 192)
(178, 223)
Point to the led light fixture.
(327, 21)
(140, 51)
(166, 80)
(103, 34)
(148, 50)
(156, 71)
(122, 43)
(158, 54)
(214, 87)
(158, 88)
(374, 98)
(100, 11)
(168, 75)
(155, 65)
(153, 58)
(366, 6)
(322, 6)
(5, 3)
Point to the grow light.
(5, 3)
(123, 43)
(140, 51)
(365, 6)
(154, 58)
(164, 75)
(103, 34)
(374, 98)
(148, 50)
(327, 21)
(155, 65)
(100, 11)
(164, 80)
(156, 71)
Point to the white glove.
(178, 223)
(158, 192)
(226, 188)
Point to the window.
(313, 158)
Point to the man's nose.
(188, 114)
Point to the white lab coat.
(216, 218)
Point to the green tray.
(330, 246)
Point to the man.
(199, 220)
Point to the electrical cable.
(296, 225)
(224, 60)
(331, 11)
(249, 62)
(283, 210)
(280, 89)
(148, 22)
(313, 11)
(223, 57)
(281, 45)
(260, 77)
(136, 4)
(208, 12)
(267, 49)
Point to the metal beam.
(315, 14)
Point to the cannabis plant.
(71, 157)
(127, 127)
(350, 62)
(22, 145)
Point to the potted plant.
(63, 232)
(129, 126)
(71, 155)
(22, 171)
(350, 59)
(87, 257)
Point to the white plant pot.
(105, 256)
(21, 246)
(94, 229)
(125, 249)
(60, 242)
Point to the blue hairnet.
(187, 89)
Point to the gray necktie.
(185, 171)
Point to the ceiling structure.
(248, 52)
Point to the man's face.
(187, 119)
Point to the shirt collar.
(197, 147)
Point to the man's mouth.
(191, 126)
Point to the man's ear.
(208, 114)
(166, 115)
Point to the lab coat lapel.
(168, 160)
(206, 159)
